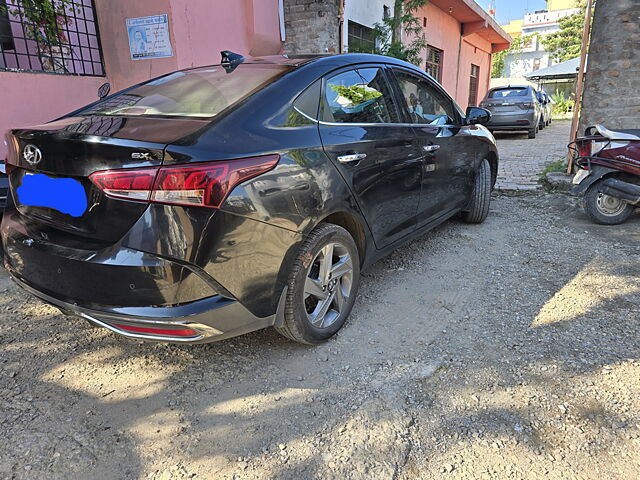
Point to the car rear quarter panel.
(248, 245)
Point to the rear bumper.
(210, 319)
(130, 292)
(512, 121)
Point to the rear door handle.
(353, 157)
(431, 148)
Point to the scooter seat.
(633, 135)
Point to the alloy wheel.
(328, 285)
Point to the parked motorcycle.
(609, 173)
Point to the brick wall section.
(312, 26)
(612, 86)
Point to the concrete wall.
(199, 29)
(612, 88)
(312, 26)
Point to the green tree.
(387, 35)
(566, 43)
(44, 20)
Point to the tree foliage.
(387, 35)
(566, 43)
(44, 19)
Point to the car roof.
(344, 58)
(331, 60)
(504, 87)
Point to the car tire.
(604, 209)
(478, 208)
(313, 312)
(533, 132)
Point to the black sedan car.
(215, 201)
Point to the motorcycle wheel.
(605, 209)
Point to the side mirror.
(104, 90)
(477, 116)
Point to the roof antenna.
(230, 60)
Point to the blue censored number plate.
(63, 194)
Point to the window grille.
(434, 63)
(473, 85)
(68, 44)
(361, 38)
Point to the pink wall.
(32, 98)
(474, 52)
(445, 33)
(199, 29)
(121, 70)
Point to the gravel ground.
(505, 350)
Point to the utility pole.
(580, 85)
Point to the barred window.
(361, 38)
(55, 36)
(473, 85)
(434, 63)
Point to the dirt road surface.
(508, 350)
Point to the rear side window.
(509, 92)
(202, 92)
(359, 96)
(305, 108)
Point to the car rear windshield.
(509, 92)
(202, 92)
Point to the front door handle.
(353, 157)
(431, 148)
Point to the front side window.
(425, 104)
(359, 96)
(202, 92)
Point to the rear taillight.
(197, 184)
(130, 184)
(525, 106)
(584, 148)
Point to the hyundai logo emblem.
(32, 154)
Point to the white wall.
(364, 12)
(543, 23)
(522, 63)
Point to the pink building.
(462, 38)
(39, 83)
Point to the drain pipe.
(341, 27)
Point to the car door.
(447, 160)
(361, 131)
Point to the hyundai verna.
(514, 108)
(215, 201)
